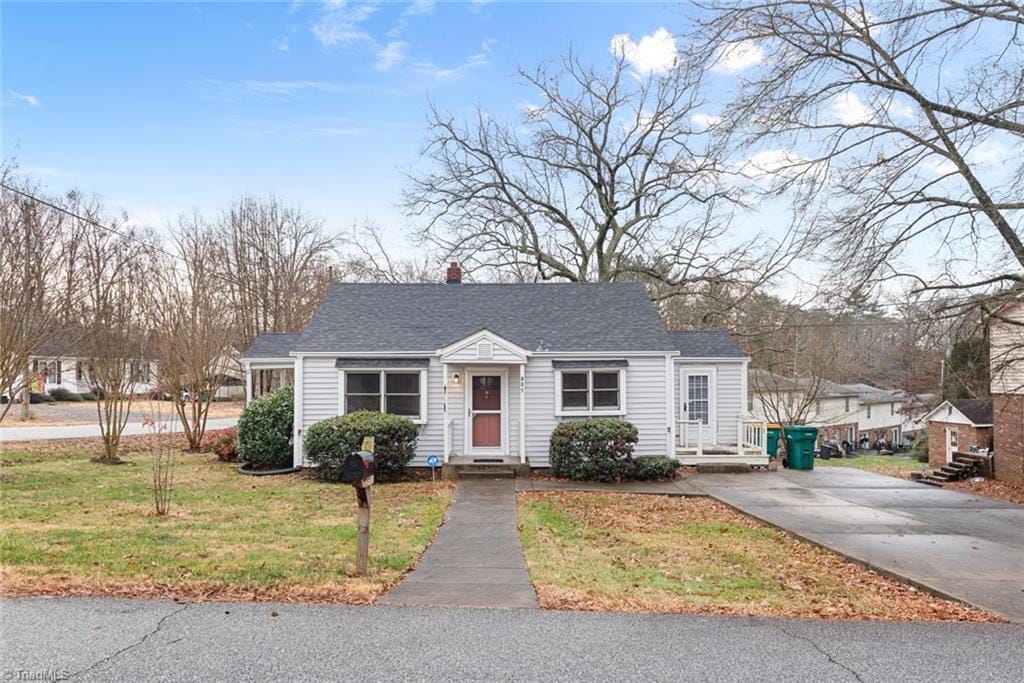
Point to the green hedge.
(329, 441)
(265, 430)
(596, 449)
(601, 449)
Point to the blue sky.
(162, 107)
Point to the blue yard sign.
(432, 462)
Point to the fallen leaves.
(697, 556)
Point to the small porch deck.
(750, 448)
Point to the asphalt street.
(119, 640)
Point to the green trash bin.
(773, 442)
(800, 440)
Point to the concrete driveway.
(966, 547)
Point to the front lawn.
(596, 551)
(896, 465)
(70, 526)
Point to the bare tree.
(277, 264)
(898, 122)
(606, 178)
(116, 265)
(194, 325)
(162, 451)
(374, 260)
(35, 249)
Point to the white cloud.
(391, 55)
(340, 24)
(737, 57)
(849, 110)
(991, 153)
(769, 163)
(30, 100)
(655, 53)
(705, 120)
(289, 87)
(419, 7)
(431, 70)
(280, 44)
(900, 110)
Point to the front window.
(591, 391)
(869, 412)
(385, 391)
(139, 371)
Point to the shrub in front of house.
(62, 394)
(87, 396)
(329, 441)
(654, 468)
(596, 449)
(221, 442)
(265, 430)
(920, 448)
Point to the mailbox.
(357, 469)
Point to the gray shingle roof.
(597, 317)
(272, 345)
(977, 410)
(706, 344)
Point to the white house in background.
(58, 362)
(488, 370)
(879, 414)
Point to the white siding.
(730, 403)
(645, 389)
(471, 354)
(1006, 356)
(645, 406)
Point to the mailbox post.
(357, 469)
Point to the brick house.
(1006, 358)
(958, 425)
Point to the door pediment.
(484, 347)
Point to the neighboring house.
(1006, 354)
(835, 411)
(860, 414)
(958, 425)
(879, 414)
(488, 370)
(59, 362)
(267, 364)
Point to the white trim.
(297, 455)
(276, 362)
(611, 355)
(712, 375)
(421, 419)
(363, 354)
(670, 410)
(590, 412)
(248, 382)
(713, 359)
(445, 420)
(467, 430)
(522, 414)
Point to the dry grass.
(594, 551)
(71, 526)
(1010, 491)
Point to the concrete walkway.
(967, 547)
(92, 431)
(475, 560)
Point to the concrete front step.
(471, 472)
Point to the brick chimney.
(454, 274)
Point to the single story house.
(958, 425)
(488, 370)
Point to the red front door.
(485, 410)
